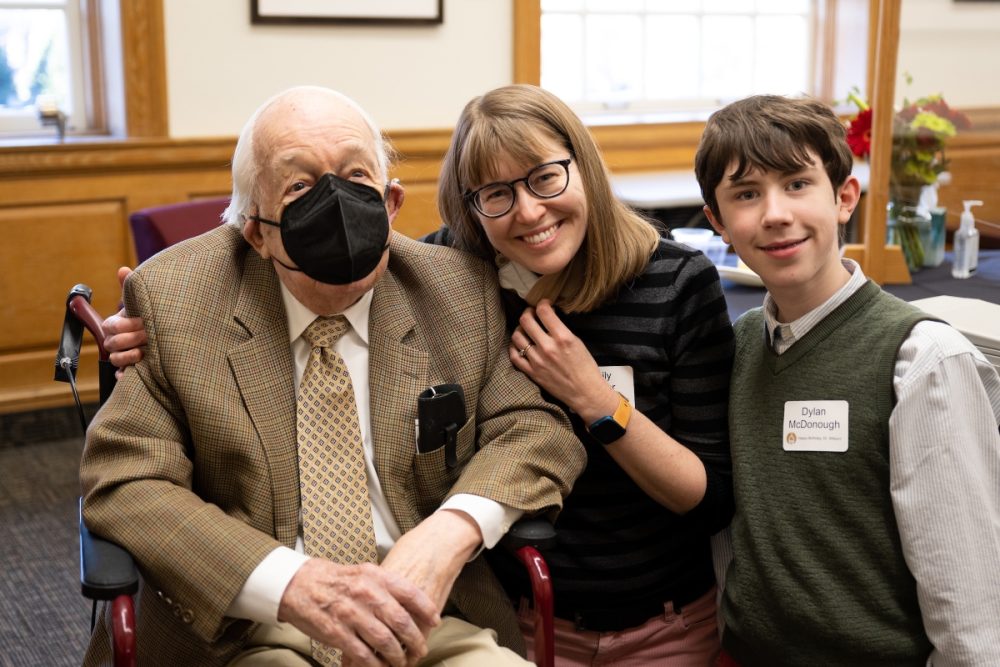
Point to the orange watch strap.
(623, 413)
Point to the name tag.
(815, 426)
(621, 380)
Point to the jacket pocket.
(434, 478)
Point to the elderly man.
(262, 457)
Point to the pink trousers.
(686, 639)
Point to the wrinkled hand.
(559, 362)
(432, 555)
(124, 336)
(366, 611)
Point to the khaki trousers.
(454, 643)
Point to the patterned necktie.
(336, 511)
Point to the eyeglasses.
(545, 181)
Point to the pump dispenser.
(966, 243)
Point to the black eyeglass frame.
(471, 198)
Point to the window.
(667, 59)
(44, 53)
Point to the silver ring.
(524, 350)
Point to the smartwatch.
(608, 429)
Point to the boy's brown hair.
(770, 133)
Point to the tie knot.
(325, 331)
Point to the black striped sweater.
(618, 549)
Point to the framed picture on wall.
(347, 11)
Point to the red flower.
(859, 133)
(920, 131)
(940, 107)
(908, 113)
(926, 139)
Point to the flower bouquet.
(919, 133)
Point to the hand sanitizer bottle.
(966, 243)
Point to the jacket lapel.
(398, 372)
(263, 370)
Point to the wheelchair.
(108, 573)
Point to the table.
(928, 282)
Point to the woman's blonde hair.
(513, 122)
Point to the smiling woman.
(614, 323)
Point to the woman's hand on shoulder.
(124, 336)
(544, 349)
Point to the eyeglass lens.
(545, 181)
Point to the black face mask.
(335, 233)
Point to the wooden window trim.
(528, 41)
(95, 79)
(144, 68)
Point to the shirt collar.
(792, 331)
(513, 276)
(300, 317)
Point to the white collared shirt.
(260, 596)
(944, 476)
(792, 331)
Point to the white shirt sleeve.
(493, 518)
(260, 596)
(945, 485)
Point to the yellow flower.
(927, 120)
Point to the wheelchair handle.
(79, 315)
(68, 354)
(79, 305)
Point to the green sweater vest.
(818, 576)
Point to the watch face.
(606, 430)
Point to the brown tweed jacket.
(192, 466)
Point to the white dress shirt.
(944, 477)
(260, 596)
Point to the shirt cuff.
(260, 596)
(493, 518)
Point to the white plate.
(740, 276)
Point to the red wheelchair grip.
(123, 630)
(541, 591)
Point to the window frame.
(642, 104)
(527, 46)
(18, 123)
(129, 36)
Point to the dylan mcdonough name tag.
(815, 426)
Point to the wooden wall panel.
(69, 243)
(65, 208)
(974, 163)
(419, 214)
(48, 249)
(64, 216)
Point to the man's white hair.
(246, 168)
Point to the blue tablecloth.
(928, 282)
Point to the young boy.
(865, 444)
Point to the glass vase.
(906, 226)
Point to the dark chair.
(156, 228)
(107, 572)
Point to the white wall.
(951, 48)
(220, 67)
